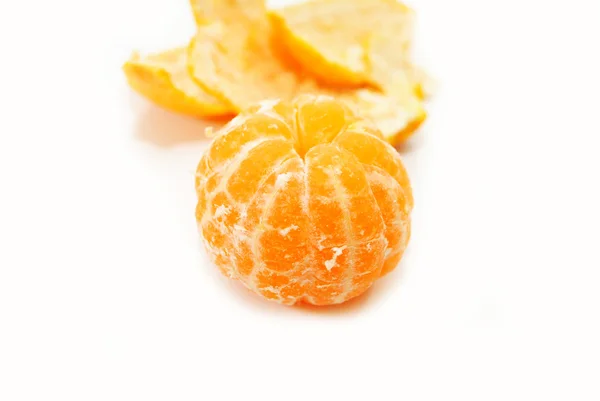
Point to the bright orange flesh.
(238, 61)
(164, 79)
(351, 42)
(303, 201)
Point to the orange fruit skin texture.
(303, 201)
(236, 57)
(164, 79)
(351, 42)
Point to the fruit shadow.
(413, 144)
(166, 129)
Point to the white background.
(105, 293)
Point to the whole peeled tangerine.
(303, 201)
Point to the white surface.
(106, 295)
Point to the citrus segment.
(371, 150)
(164, 79)
(389, 195)
(313, 209)
(236, 61)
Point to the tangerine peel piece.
(164, 79)
(350, 42)
(243, 66)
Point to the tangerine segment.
(164, 79)
(389, 194)
(350, 42)
(371, 150)
(346, 223)
(238, 63)
(303, 201)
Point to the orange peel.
(234, 58)
(164, 79)
(351, 42)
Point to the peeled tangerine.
(303, 201)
